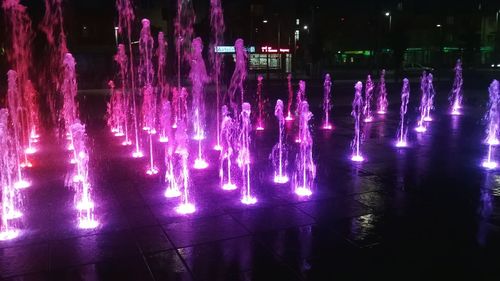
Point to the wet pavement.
(427, 212)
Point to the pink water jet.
(182, 173)
(260, 104)
(238, 78)
(217, 27)
(456, 93)
(279, 153)
(357, 105)
(10, 196)
(382, 102)
(244, 154)
(199, 78)
(367, 107)
(299, 98)
(289, 116)
(81, 178)
(403, 131)
(115, 113)
(14, 104)
(327, 106)
(124, 106)
(305, 169)
(172, 187)
(227, 143)
(165, 120)
(430, 98)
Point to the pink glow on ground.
(490, 165)
(163, 139)
(152, 171)
(88, 223)
(126, 143)
(260, 128)
(421, 129)
(217, 147)
(401, 144)
(30, 150)
(137, 154)
(381, 112)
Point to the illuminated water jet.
(424, 103)
(402, 131)
(357, 105)
(289, 116)
(279, 153)
(493, 119)
(227, 143)
(382, 102)
(305, 169)
(260, 105)
(327, 106)
(217, 27)
(367, 107)
(182, 173)
(244, 154)
(456, 93)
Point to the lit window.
(297, 21)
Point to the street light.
(305, 27)
(438, 25)
(388, 14)
(264, 21)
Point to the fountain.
(81, 182)
(182, 173)
(239, 77)
(305, 169)
(279, 153)
(424, 86)
(456, 92)
(367, 108)
(244, 154)
(300, 96)
(172, 187)
(149, 98)
(260, 104)
(52, 26)
(357, 103)
(382, 102)
(402, 131)
(125, 18)
(217, 28)
(14, 102)
(327, 106)
(199, 78)
(289, 116)
(492, 116)
(10, 200)
(115, 112)
(227, 142)
(430, 98)
(20, 60)
(122, 61)
(165, 119)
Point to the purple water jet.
(357, 105)
(217, 39)
(299, 98)
(492, 117)
(305, 169)
(279, 153)
(367, 108)
(244, 154)
(182, 172)
(122, 61)
(289, 116)
(402, 131)
(227, 151)
(199, 78)
(382, 102)
(238, 78)
(456, 93)
(327, 106)
(424, 103)
(430, 97)
(260, 104)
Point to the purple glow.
(305, 169)
(248, 200)
(244, 154)
(493, 119)
(290, 97)
(228, 131)
(185, 209)
(260, 104)
(279, 153)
